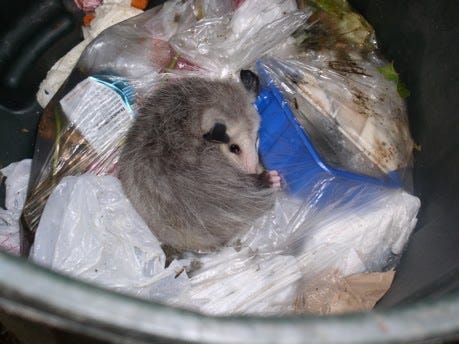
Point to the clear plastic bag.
(297, 244)
(82, 133)
(351, 115)
(107, 14)
(223, 45)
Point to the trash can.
(420, 36)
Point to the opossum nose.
(256, 168)
(252, 166)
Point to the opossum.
(190, 164)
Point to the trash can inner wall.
(33, 36)
(422, 38)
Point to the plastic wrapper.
(16, 179)
(341, 211)
(81, 133)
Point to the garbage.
(88, 5)
(223, 45)
(106, 14)
(335, 294)
(338, 27)
(347, 225)
(16, 179)
(346, 120)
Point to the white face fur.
(240, 144)
(242, 149)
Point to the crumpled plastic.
(225, 44)
(89, 230)
(17, 178)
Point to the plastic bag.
(223, 45)
(297, 244)
(90, 231)
(337, 27)
(335, 117)
(17, 178)
(87, 129)
(369, 114)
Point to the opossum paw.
(274, 179)
(269, 179)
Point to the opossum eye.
(235, 149)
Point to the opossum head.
(237, 140)
(234, 126)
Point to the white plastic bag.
(17, 180)
(90, 230)
(231, 282)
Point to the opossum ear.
(217, 134)
(250, 81)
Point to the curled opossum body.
(190, 164)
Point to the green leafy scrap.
(335, 7)
(344, 25)
(389, 72)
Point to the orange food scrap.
(87, 19)
(140, 4)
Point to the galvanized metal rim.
(42, 295)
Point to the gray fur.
(188, 192)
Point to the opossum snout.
(245, 156)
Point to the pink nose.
(255, 169)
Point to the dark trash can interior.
(421, 37)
